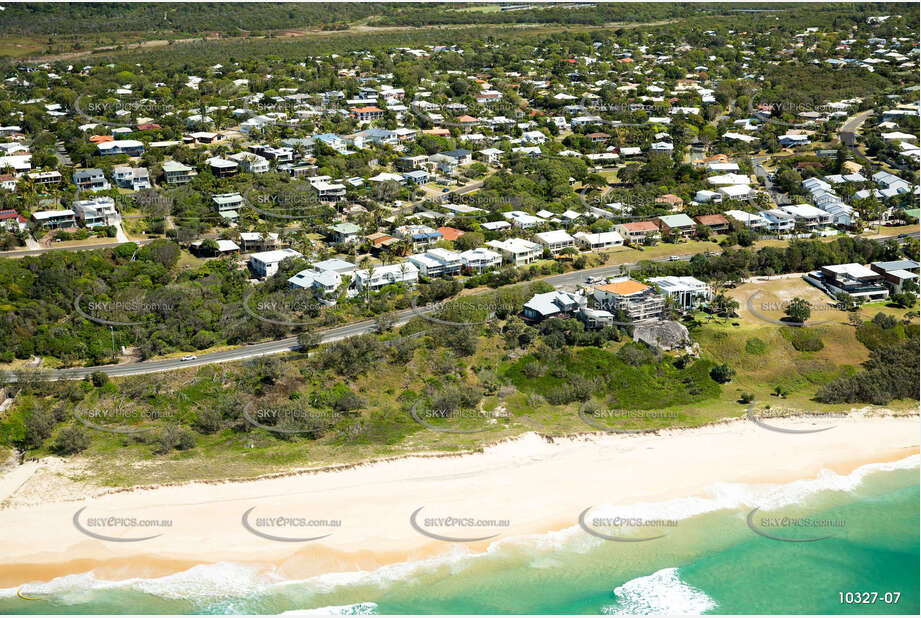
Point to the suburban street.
(280, 346)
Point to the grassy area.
(537, 388)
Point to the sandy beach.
(528, 485)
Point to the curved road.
(289, 344)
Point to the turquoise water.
(711, 562)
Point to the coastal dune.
(365, 515)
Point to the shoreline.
(538, 485)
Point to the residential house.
(601, 240)
(134, 178)
(810, 216)
(380, 276)
(636, 232)
(8, 182)
(250, 162)
(367, 113)
(437, 262)
(325, 282)
(130, 147)
(681, 225)
(688, 292)
(753, 220)
(55, 219)
(897, 273)
(176, 173)
(555, 240)
(716, 223)
(12, 221)
(673, 201)
(96, 212)
(421, 236)
(41, 179)
(491, 156)
(778, 221)
(257, 241)
(517, 251)
(222, 168)
(409, 164)
(91, 179)
(480, 259)
(345, 232)
(327, 191)
(554, 304)
(265, 264)
(228, 205)
(856, 280)
(636, 300)
(417, 177)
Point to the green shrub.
(755, 346)
(803, 339)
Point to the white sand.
(538, 486)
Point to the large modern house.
(855, 280)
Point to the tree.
(70, 440)
(39, 426)
(798, 310)
(722, 373)
(99, 378)
(308, 340)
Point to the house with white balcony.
(779, 221)
(753, 220)
(250, 162)
(437, 262)
(556, 240)
(96, 212)
(480, 259)
(517, 251)
(265, 264)
(687, 292)
(810, 216)
(177, 173)
(134, 178)
(601, 240)
(374, 279)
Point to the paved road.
(289, 344)
(106, 245)
(851, 126)
(570, 279)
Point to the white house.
(601, 240)
(480, 259)
(374, 279)
(437, 262)
(555, 240)
(265, 264)
(688, 292)
(518, 251)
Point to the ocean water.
(710, 562)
